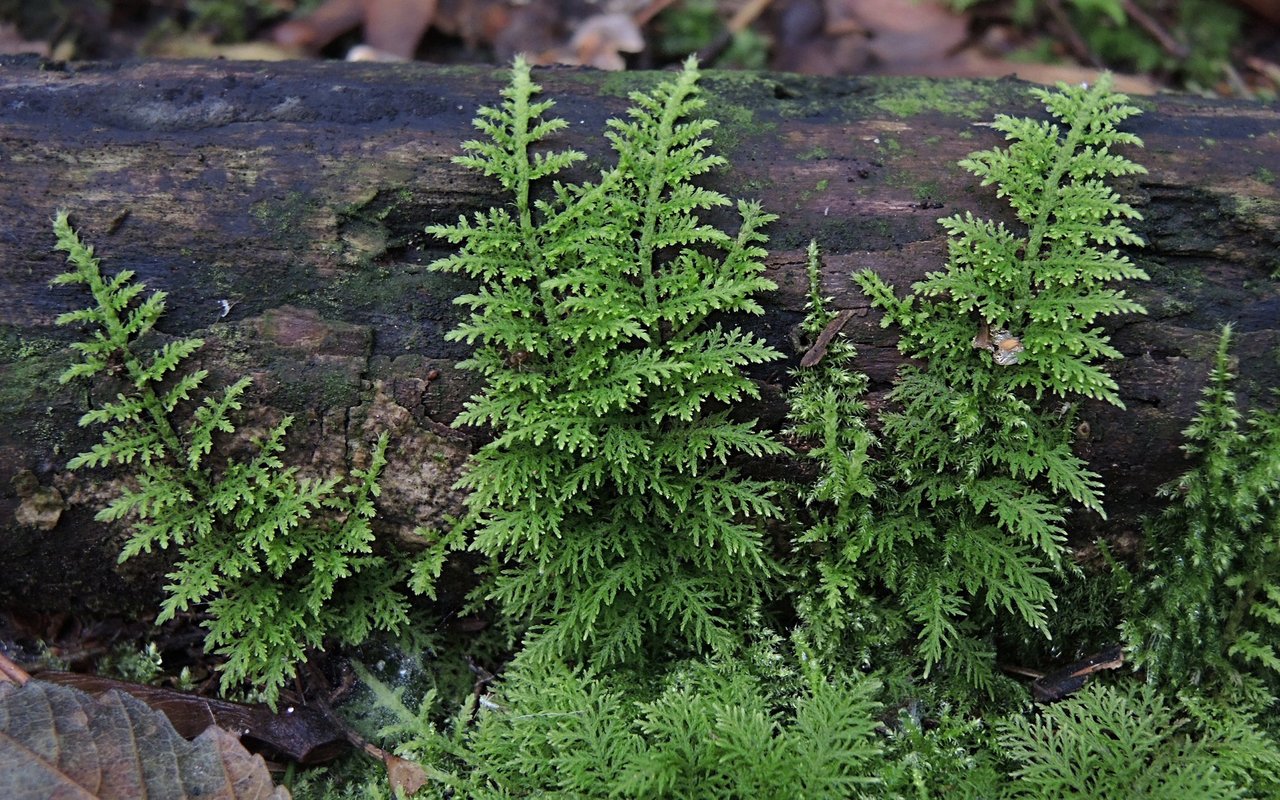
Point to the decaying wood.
(282, 207)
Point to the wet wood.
(282, 207)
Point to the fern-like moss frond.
(605, 491)
(280, 563)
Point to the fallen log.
(282, 207)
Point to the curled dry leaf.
(56, 741)
(298, 733)
(405, 777)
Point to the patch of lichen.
(29, 365)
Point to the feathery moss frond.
(958, 506)
(1209, 609)
(279, 562)
(605, 493)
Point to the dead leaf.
(905, 35)
(56, 741)
(601, 40)
(299, 733)
(404, 775)
(12, 43)
(41, 509)
(391, 27)
(204, 45)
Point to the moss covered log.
(282, 208)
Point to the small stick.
(645, 15)
(11, 672)
(1069, 32)
(745, 16)
(819, 349)
(1069, 679)
(1148, 23)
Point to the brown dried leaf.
(404, 776)
(56, 741)
(299, 733)
(12, 43)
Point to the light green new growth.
(961, 517)
(280, 563)
(1111, 744)
(605, 500)
(1208, 610)
(713, 730)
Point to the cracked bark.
(281, 207)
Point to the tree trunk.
(282, 207)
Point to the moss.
(282, 218)
(737, 122)
(889, 145)
(1256, 212)
(1183, 275)
(910, 97)
(15, 346)
(29, 365)
(927, 190)
(26, 382)
(814, 154)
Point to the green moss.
(1256, 211)
(282, 218)
(1264, 175)
(927, 190)
(29, 365)
(25, 383)
(737, 122)
(910, 97)
(15, 346)
(731, 98)
(1183, 275)
(308, 386)
(814, 154)
(371, 226)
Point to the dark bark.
(281, 207)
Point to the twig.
(819, 349)
(1074, 41)
(645, 15)
(1148, 23)
(745, 16)
(11, 672)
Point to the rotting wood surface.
(281, 207)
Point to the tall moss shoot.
(1207, 611)
(605, 499)
(280, 562)
(976, 471)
